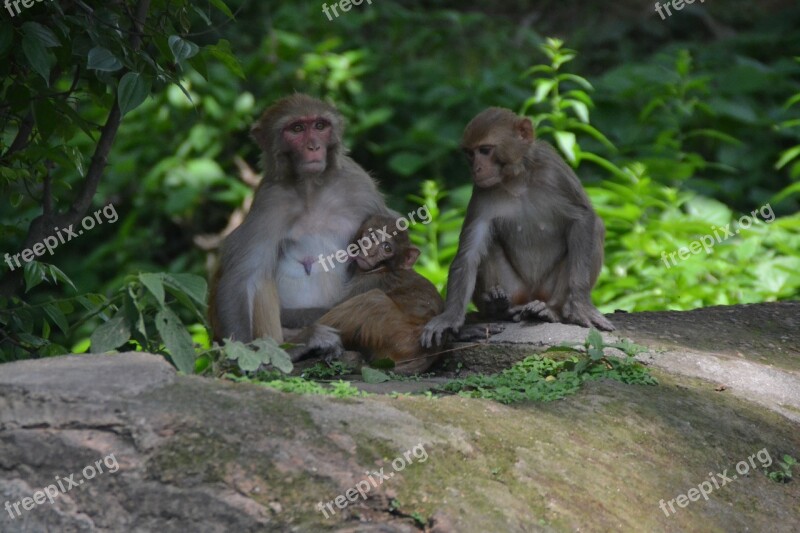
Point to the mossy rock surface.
(197, 454)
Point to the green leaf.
(155, 284)
(58, 275)
(42, 34)
(581, 109)
(194, 286)
(566, 142)
(787, 156)
(102, 59)
(177, 339)
(370, 375)
(219, 4)
(133, 90)
(110, 335)
(277, 356)
(247, 359)
(222, 52)
(594, 345)
(181, 48)
(543, 88)
(34, 274)
(37, 55)
(57, 317)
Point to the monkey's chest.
(312, 263)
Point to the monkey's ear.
(258, 134)
(410, 258)
(525, 129)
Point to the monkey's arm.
(473, 243)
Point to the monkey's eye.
(297, 127)
(387, 247)
(468, 154)
(485, 150)
(320, 125)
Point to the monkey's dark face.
(307, 140)
(486, 171)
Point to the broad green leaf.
(37, 55)
(42, 33)
(102, 59)
(110, 335)
(248, 359)
(155, 284)
(371, 375)
(177, 339)
(219, 4)
(194, 286)
(181, 48)
(57, 317)
(133, 90)
(275, 355)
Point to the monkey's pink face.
(307, 139)
(485, 170)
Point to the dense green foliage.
(676, 128)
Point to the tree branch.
(44, 224)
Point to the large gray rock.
(182, 453)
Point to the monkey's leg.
(575, 281)
(266, 312)
(373, 323)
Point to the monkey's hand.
(586, 315)
(435, 330)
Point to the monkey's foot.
(586, 315)
(324, 341)
(535, 310)
(478, 332)
(495, 303)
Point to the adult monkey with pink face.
(531, 246)
(311, 201)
